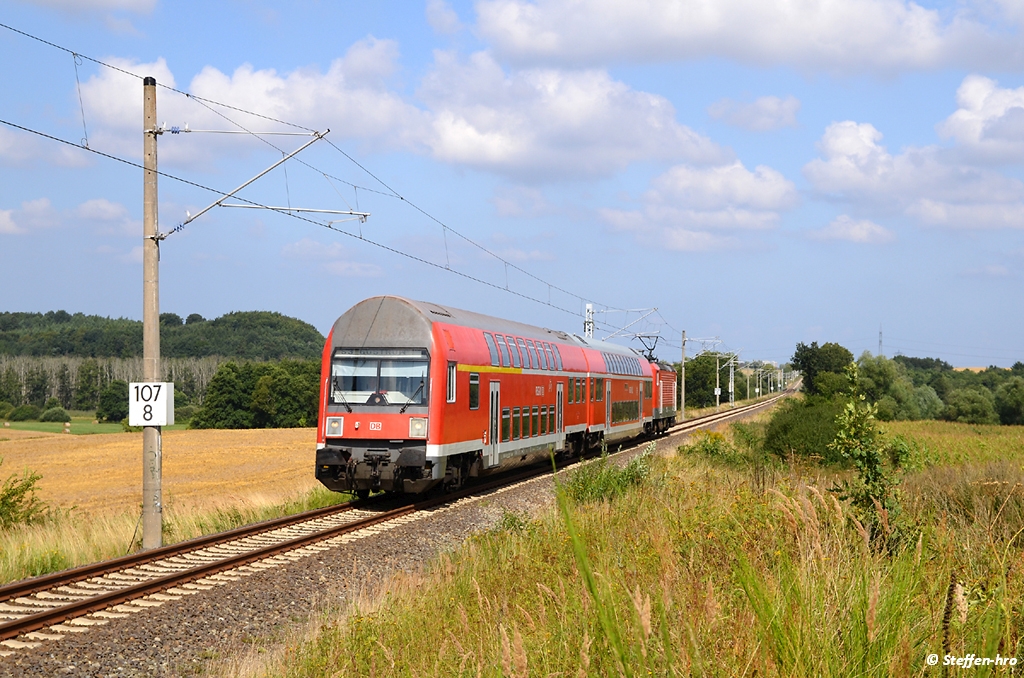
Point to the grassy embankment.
(82, 423)
(212, 481)
(721, 563)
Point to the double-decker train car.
(415, 395)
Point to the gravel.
(181, 636)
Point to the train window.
(517, 360)
(543, 419)
(551, 418)
(527, 362)
(492, 348)
(600, 388)
(515, 423)
(580, 395)
(452, 373)
(505, 419)
(648, 390)
(535, 424)
(558, 357)
(572, 389)
(474, 391)
(537, 364)
(503, 349)
(526, 422)
(545, 350)
(379, 377)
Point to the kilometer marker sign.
(151, 403)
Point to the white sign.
(718, 391)
(151, 404)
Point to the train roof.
(405, 323)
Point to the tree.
(64, 392)
(971, 406)
(1010, 401)
(812, 360)
(87, 390)
(227, 401)
(113, 405)
(37, 386)
(10, 387)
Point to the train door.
(558, 407)
(607, 404)
(493, 447)
(640, 402)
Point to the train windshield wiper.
(409, 401)
(340, 392)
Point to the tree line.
(249, 335)
(915, 388)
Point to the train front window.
(379, 377)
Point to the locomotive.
(414, 395)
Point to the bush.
(599, 480)
(184, 414)
(51, 403)
(971, 406)
(804, 429)
(113, 402)
(55, 414)
(24, 413)
(18, 501)
(5, 409)
(1010, 401)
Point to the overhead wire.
(209, 103)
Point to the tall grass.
(694, 570)
(66, 538)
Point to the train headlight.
(418, 427)
(335, 426)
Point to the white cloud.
(544, 123)
(815, 35)
(988, 271)
(846, 228)
(21, 149)
(108, 218)
(688, 207)
(989, 124)
(332, 258)
(351, 97)
(7, 225)
(763, 115)
(928, 184)
(442, 18)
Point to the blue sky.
(766, 173)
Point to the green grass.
(64, 539)
(699, 569)
(80, 425)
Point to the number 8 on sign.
(151, 404)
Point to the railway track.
(47, 608)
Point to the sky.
(763, 173)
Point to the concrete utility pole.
(732, 381)
(152, 462)
(718, 386)
(682, 382)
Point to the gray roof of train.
(406, 322)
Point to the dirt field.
(103, 473)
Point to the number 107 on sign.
(150, 404)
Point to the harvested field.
(103, 473)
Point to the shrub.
(113, 402)
(971, 407)
(51, 403)
(18, 501)
(55, 414)
(804, 429)
(24, 413)
(1010, 401)
(599, 480)
(184, 414)
(5, 409)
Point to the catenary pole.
(718, 385)
(152, 462)
(682, 382)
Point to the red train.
(414, 395)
